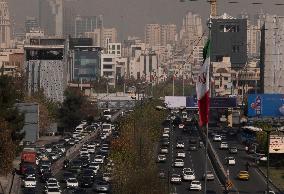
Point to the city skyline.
(130, 17)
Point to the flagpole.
(174, 85)
(207, 127)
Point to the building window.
(225, 78)
(236, 49)
(118, 47)
(107, 66)
(113, 47)
(107, 59)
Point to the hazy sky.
(132, 15)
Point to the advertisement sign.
(191, 102)
(216, 102)
(266, 105)
(276, 144)
(175, 101)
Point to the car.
(165, 142)
(71, 142)
(29, 191)
(181, 126)
(192, 147)
(66, 176)
(176, 179)
(178, 163)
(161, 158)
(78, 191)
(164, 150)
(86, 181)
(166, 130)
(101, 186)
(53, 191)
(91, 149)
(29, 171)
(162, 174)
(88, 172)
(217, 138)
(72, 183)
(95, 167)
(195, 185)
(269, 192)
(233, 150)
(180, 154)
(180, 144)
(209, 176)
(231, 160)
(188, 175)
(99, 159)
(30, 182)
(52, 182)
(45, 176)
(167, 135)
(224, 145)
(84, 151)
(243, 175)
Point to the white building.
(114, 48)
(222, 77)
(272, 69)
(108, 68)
(5, 25)
(102, 36)
(153, 34)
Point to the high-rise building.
(168, 34)
(85, 24)
(153, 34)
(30, 24)
(191, 30)
(271, 57)
(51, 17)
(253, 40)
(5, 25)
(69, 14)
(102, 36)
(229, 38)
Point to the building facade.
(85, 24)
(114, 48)
(31, 24)
(51, 17)
(271, 59)
(45, 67)
(108, 68)
(168, 34)
(101, 37)
(153, 34)
(229, 38)
(5, 25)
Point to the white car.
(217, 138)
(99, 159)
(72, 183)
(53, 191)
(166, 135)
(181, 126)
(195, 185)
(75, 134)
(184, 115)
(166, 130)
(91, 149)
(30, 182)
(224, 145)
(52, 183)
(84, 151)
(180, 145)
(178, 163)
(164, 150)
(180, 154)
(231, 161)
(176, 179)
(188, 175)
(95, 167)
(161, 158)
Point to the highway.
(194, 160)
(256, 183)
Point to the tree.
(11, 121)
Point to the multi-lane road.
(194, 160)
(256, 183)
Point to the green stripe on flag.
(206, 50)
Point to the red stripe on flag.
(203, 105)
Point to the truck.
(107, 114)
(28, 158)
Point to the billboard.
(191, 102)
(216, 102)
(175, 101)
(266, 105)
(276, 144)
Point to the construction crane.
(213, 7)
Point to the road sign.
(229, 184)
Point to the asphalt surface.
(194, 160)
(256, 183)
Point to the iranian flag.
(202, 87)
